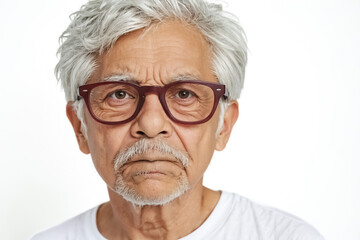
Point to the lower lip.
(149, 175)
(151, 170)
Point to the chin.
(151, 193)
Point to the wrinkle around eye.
(114, 102)
(113, 99)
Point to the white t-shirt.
(234, 218)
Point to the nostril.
(140, 133)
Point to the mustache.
(146, 145)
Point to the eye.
(184, 94)
(120, 95)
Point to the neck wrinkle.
(120, 219)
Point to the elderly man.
(151, 87)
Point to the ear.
(76, 124)
(230, 117)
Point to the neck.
(120, 219)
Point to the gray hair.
(99, 23)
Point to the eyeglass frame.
(218, 89)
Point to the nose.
(152, 120)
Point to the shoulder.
(268, 222)
(77, 227)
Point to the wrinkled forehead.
(163, 53)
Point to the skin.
(156, 57)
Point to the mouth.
(154, 160)
(143, 169)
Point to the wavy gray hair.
(99, 23)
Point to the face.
(159, 56)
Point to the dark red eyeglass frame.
(218, 90)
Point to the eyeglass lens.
(187, 102)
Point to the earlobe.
(76, 124)
(231, 115)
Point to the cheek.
(104, 143)
(199, 142)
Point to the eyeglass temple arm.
(79, 97)
(225, 97)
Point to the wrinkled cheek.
(201, 159)
(103, 160)
(106, 172)
(196, 172)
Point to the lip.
(152, 158)
(151, 169)
(149, 173)
(149, 176)
(152, 162)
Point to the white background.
(296, 145)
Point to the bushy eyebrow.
(185, 77)
(130, 78)
(118, 77)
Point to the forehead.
(158, 54)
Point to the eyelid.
(122, 90)
(191, 95)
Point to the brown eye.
(120, 94)
(183, 94)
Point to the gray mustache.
(144, 145)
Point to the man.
(151, 87)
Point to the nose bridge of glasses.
(152, 90)
(147, 90)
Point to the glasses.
(118, 102)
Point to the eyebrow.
(130, 78)
(185, 77)
(118, 77)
